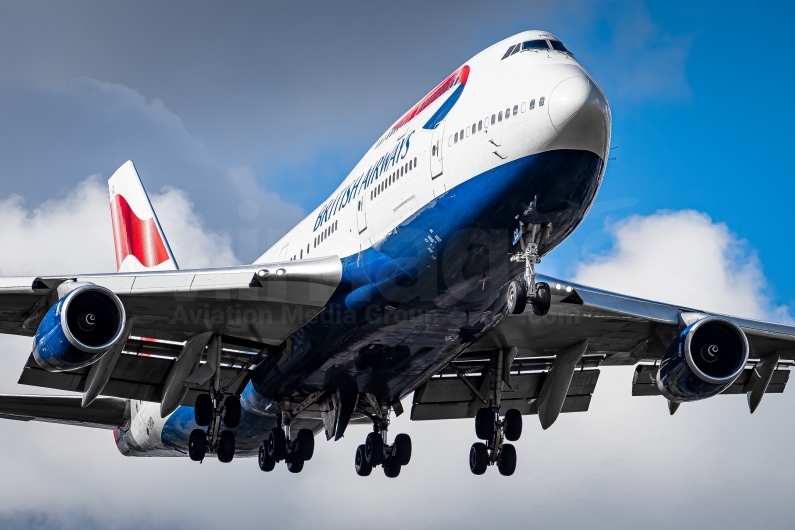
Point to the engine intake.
(79, 329)
(703, 361)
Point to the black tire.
(403, 449)
(542, 300)
(232, 412)
(226, 447)
(305, 444)
(374, 448)
(363, 469)
(516, 297)
(507, 461)
(484, 424)
(266, 463)
(513, 425)
(478, 458)
(197, 445)
(203, 410)
(392, 468)
(277, 444)
(295, 465)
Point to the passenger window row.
(394, 177)
(495, 118)
(322, 236)
(536, 45)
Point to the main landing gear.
(528, 290)
(376, 451)
(492, 429)
(279, 445)
(214, 411)
(217, 412)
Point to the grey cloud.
(54, 137)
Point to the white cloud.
(193, 247)
(683, 258)
(73, 234)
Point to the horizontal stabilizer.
(104, 412)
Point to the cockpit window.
(509, 51)
(557, 45)
(535, 45)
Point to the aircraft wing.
(250, 308)
(618, 330)
(266, 301)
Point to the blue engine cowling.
(79, 329)
(706, 357)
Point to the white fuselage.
(558, 106)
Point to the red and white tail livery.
(137, 236)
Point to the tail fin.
(137, 236)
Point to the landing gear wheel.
(513, 425)
(232, 412)
(516, 298)
(197, 445)
(277, 444)
(374, 449)
(484, 424)
(402, 449)
(203, 410)
(295, 465)
(226, 447)
(305, 444)
(542, 300)
(266, 463)
(478, 458)
(363, 469)
(392, 468)
(507, 462)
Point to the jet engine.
(706, 357)
(79, 329)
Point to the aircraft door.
(361, 214)
(437, 141)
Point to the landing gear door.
(436, 150)
(361, 215)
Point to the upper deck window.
(557, 45)
(535, 45)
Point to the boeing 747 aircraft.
(416, 276)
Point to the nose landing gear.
(538, 294)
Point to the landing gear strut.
(376, 451)
(538, 294)
(215, 411)
(489, 427)
(279, 445)
(492, 429)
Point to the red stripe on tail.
(136, 237)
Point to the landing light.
(568, 288)
(263, 273)
(281, 272)
(557, 286)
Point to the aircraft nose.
(578, 109)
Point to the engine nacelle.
(79, 329)
(706, 357)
